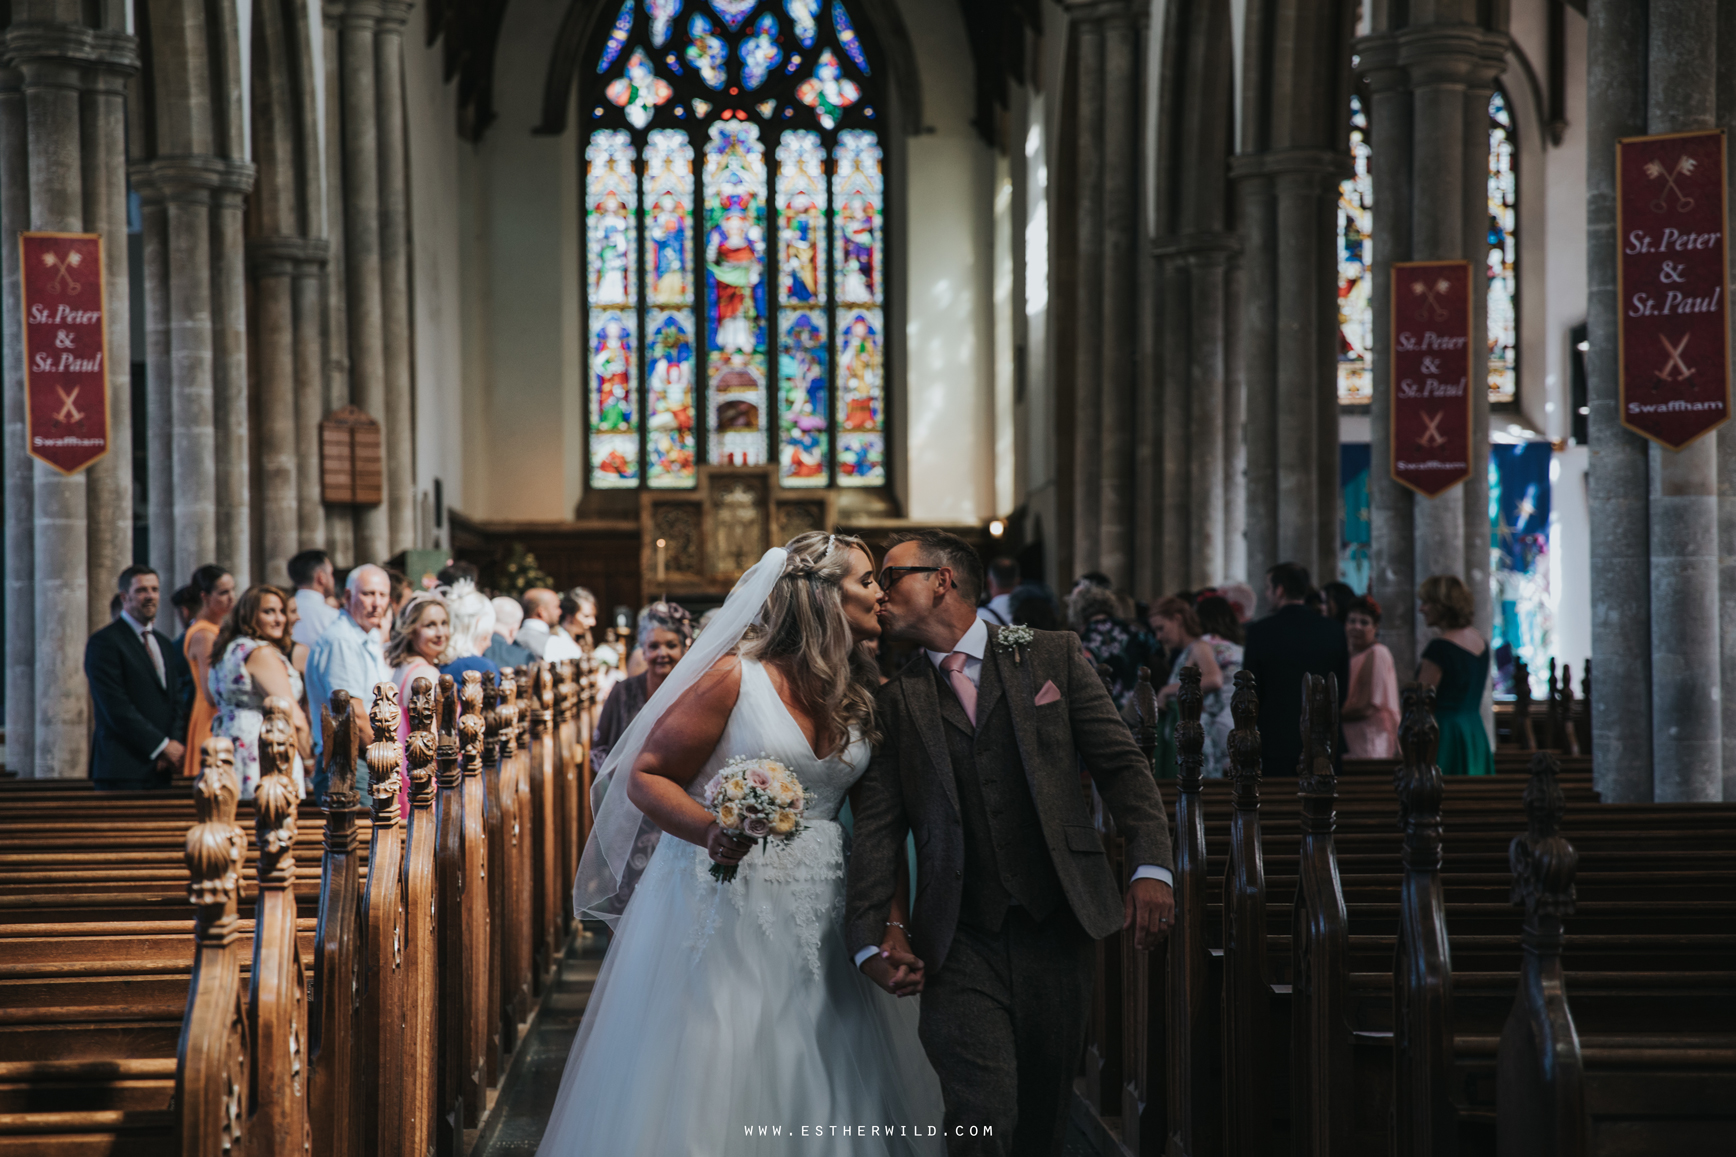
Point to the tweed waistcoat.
(996, 811)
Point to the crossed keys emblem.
(64, 266)
(69, 413)
(1432, 436)
(1684, 168)
(1431, 295)
(1675, 370)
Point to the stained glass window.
(1503, 268)
(735, 245)
(1355, 262)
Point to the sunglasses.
(890, 575)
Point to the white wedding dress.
(722, 1008)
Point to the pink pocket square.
(1048, 694)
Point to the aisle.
(515, 1128)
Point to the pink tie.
(966, 691)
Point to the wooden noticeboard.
(351, 465)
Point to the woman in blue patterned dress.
(255, 666)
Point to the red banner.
(65, 348)
(1675, 331)
(1431, 374)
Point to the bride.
(726, 1008)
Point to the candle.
(661, 543)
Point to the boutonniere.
(1012, 638)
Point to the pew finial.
(508, 710)
(215, 845)
(1417, 780)
(275, 798)
(1319, 729)
(471, 725)
(1245, 740)
(340, 751)
(1190, 736)
(385, 755)
(419, 747)
(1543, 861)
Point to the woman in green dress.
(1456, 665)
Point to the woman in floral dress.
(253, 667)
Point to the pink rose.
(759, 778)
(757, 827)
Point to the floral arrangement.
(520, 572)
(757, 798)
(1013, 637)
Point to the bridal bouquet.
(757, 798)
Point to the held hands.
(895, 967)
(173, 756)
(726, 848)
(1149, 909)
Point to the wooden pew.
(277, 998)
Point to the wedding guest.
(1337, 597)
(502, 651)
(1178, 628)
(251, 667)
(579, 617)
(420, 638)
(401, 590)
(472, 619)
(1240, 596)
(115, 605)
(1092, 612)
(216, 588)
(1456, 665)
(1032, 605)
(456, 571)
(665, 633)
(1003, 580)
(1371, 704)
(542, 614)
(1221, 623)
(185, 603)
(315, 585)
(297, 652)
(1287, 644)
(349, 657)
(136, 674)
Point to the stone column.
(361, 169)
(19, 470)
(1088, 353)
(48, 56)
(1206, 417)
(1727, 457)
(1256, 331)
(104, 142)
(1303, 178)
(1174, 365)
(340, 521)
(1618, 505)
(1687, 746)
(271, 270)
(310, 382)
(399, 439)
(1393, 579)
(1235, 452)
(234, 514)
(1121, 230)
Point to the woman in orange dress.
(216, 590)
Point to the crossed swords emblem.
(1675, 370)
(64, 266)
(1684, 167)
(69, 413)
(1431, 295)
(1432, 436)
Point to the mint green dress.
(1464, 746)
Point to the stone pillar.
(1727, 457)
(1206, 418)
(271, 270)
(1687, 747)
(104, 142)
(48, 57)
(395, 279)
(1235, 453)
(1393, 578)
(20, 474)
(234, 509)
(1256, 330)
(1303, 178)
(361, 172)
(1619, 512)
(1174, 365)
(1121, 230)
(1088, 353)
(310, 383)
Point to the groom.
(983, 740)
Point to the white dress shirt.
(974, 644)
(315, 616)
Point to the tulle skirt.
(725, 1009)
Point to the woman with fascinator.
(724, 1005)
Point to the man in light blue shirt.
(349, 657)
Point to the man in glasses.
(984, 733)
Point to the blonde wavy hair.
(804, 633)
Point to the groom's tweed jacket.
(980, 844)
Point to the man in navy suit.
(1291, 642)
(136, 674)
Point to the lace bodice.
(762, 725)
